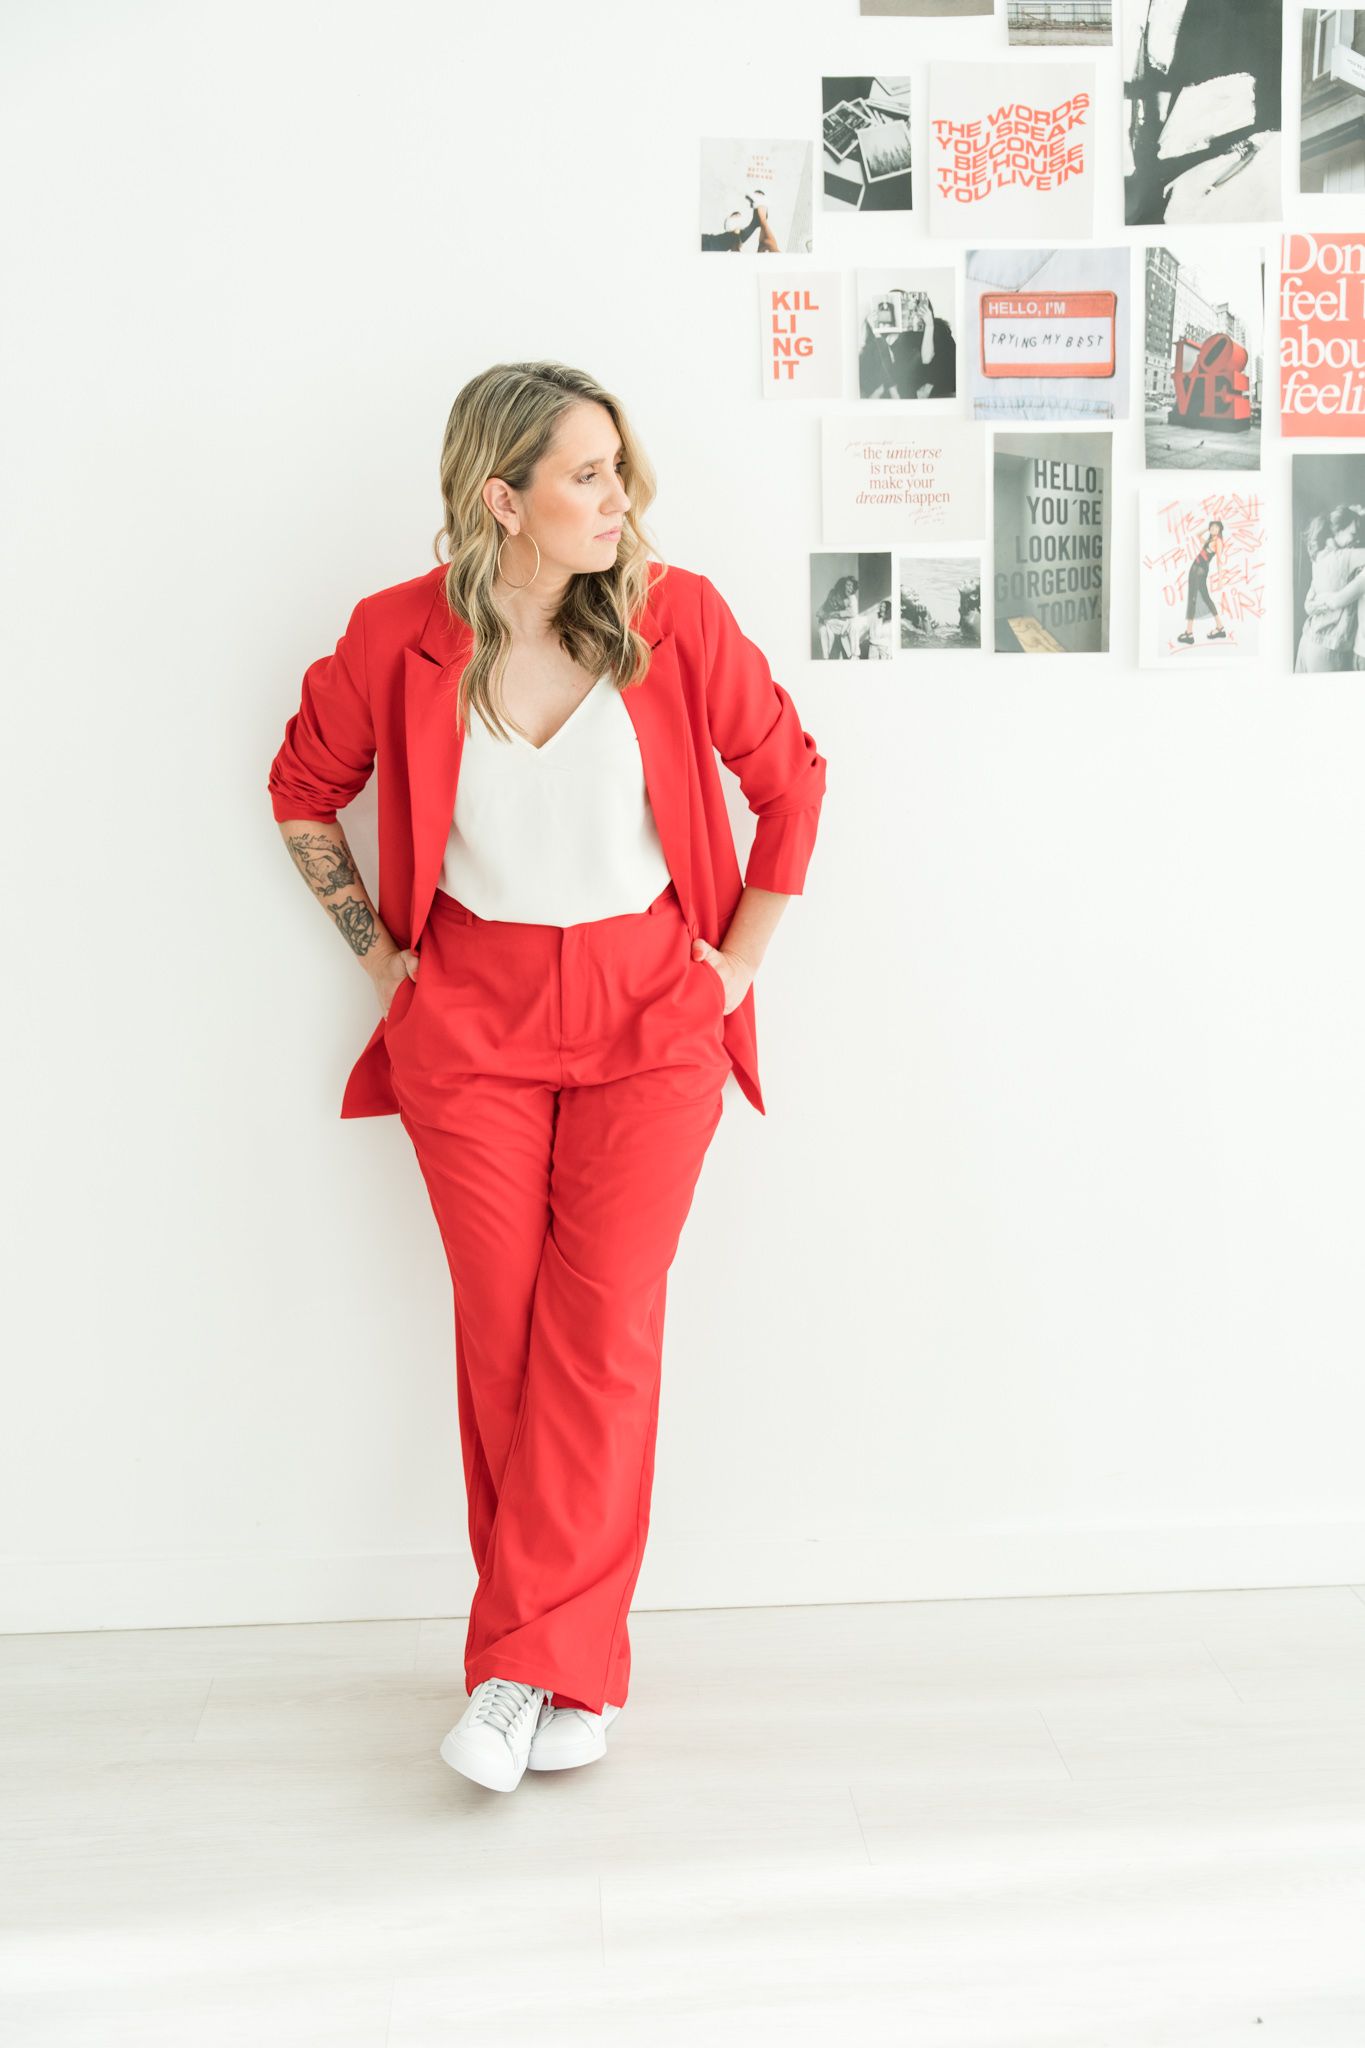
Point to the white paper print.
(865, 140)
(756, 197)
(1048, 333)
(1202, 110)
(1044, 24)
(940, 602)
(1332, 130)
(900, 479)
(801, 333)
(1201, 593)
(850, 608)
(1011, 150)
(907, 333)
(1204, 361)
(1329, 564)
(1052, 529)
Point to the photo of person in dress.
(1211, 552)
(1331, 634)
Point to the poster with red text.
(899, 479)
(1011, 151)
(1201, 595)
(1322, 335)
(801, 332)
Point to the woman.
(879, 632)
(1212, 550)
(931, 352)
(835, 618)
(1327, 642)
(563, 956)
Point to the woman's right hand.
(390, 973)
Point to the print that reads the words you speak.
(909, 478)
(1237, 580)
(1015, 145)
(1058, 555)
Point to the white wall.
(1042, 1273)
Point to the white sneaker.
(565, 1736)
(491, 1741)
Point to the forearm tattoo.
(355, 921)
(324, 863)
(327, 866)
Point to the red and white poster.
(1011, 150)
(1202, 595)
(801, 333)
(1322, 335)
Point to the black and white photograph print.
(756, 197)
(940, 601)
(850, 605)
(1052, 529)
(1204, 357)
(1332, 133)
(907, 338)
(1329, 563)
(1201, 83)
(1046, 24)
(952, 9)
(865, 135)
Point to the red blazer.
(389, 691)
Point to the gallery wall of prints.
(1072, 296)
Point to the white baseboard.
(46, 1594)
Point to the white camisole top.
(558, 834)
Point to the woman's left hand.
(734, 972)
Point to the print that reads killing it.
(1237, 580)
(788, 345)
(1058, 559)
(1016, 145)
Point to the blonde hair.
(501, 424)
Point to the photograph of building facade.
(1332, 157)
(1044, 22)
(1223, 293)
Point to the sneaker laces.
(500, 1701)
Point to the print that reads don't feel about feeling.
(1322, 335)
(896, 482)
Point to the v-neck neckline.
(531, 746)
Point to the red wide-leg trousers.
(560, 1085)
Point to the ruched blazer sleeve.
(328, 750)
(758, 734)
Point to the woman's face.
(575, 502)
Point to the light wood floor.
(1129, 1822)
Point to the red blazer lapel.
(433, 744)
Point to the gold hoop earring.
(530, 579)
